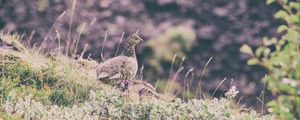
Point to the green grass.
(6, 116)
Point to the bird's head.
(133, 40)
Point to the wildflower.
(232, 92)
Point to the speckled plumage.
(122, 67)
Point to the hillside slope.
(52, 86)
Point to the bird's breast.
(126, 66)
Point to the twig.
(199, 83)
(77, 41)
(171, 68)
(218, 87)
(263, 104)
(173, 80)
(141, 72)
(70, 27)
(30, 38)
(58, 38)
(102, 48)
(180, 68)
(27, 41)
(84, 50)
(156, 83)
(119, 44)
(184, 81)
(52, 27)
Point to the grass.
(53, 86)
(7, 116)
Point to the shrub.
(106, 104)
(281, 57)
(179, 40)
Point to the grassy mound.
(53, 86)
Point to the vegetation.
(180, 41)
(209, 28)
(281, 56)
(53, 86)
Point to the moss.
(6, 116)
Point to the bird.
(122, 67)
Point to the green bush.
(281, 57)
(179, 40)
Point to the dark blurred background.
(196, 29)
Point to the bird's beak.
(141, 40)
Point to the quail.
(122, 67)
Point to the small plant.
(281, 57)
